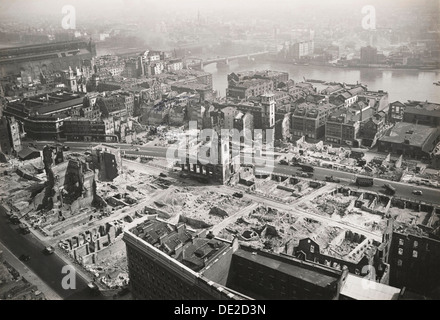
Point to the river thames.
(401, 85)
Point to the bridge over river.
(199, 63)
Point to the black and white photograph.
(221, 155)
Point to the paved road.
(47, 267)
(430, 195)
(403, 190)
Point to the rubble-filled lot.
(112, 268)
(277, 230)
(287, 190)
(340, 207)
(202, 204)
(409, 216)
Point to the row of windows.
(415, 243)
(414, 253)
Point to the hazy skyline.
(245, 7)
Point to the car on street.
(25, 257)
(306, 175)
(66, 148)
(49, 250)
(14, 219)
(332, 179)
(238, 194)
(417, 192)
(24, 229)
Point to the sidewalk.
(28, 274)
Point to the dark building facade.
(414, 259)
(424, 113)
(267, 276)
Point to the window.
(416, 244)
(415, 253)
(312, 249)
(401, 242)
(400, 251)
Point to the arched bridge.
(199, 63)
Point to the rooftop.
(359, 288)
(414, 134)
(318, 275)
(179, 243)
(424, 108)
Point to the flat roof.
(60, 106)
(294, 269)
(359, 288)
(416, 134)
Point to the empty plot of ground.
(200, 203)
(341, 208)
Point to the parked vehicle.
(332, 179)
(283, 162)
(24, 229)
(25, 257)
(307, 168)
(389, 189)
(14, 219)
(364, 181)
(238, 195)
(49, 250)
(306, 174)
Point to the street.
(47, 267)
(403, 190)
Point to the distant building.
(223, 165)
(342, 127)
(83, 129)
(45, 127)
(396, 111)
(309, 120)
(54, 56)
(299, 50)
(368, 55)
(377, 100)
(205, 92)
(411, 140)
(249, 88)
(373, 129)
(424, 113)
(119, 104)
(347, 97)
(174, 65)
(277, 77)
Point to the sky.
(153, 9)
(53, 6)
